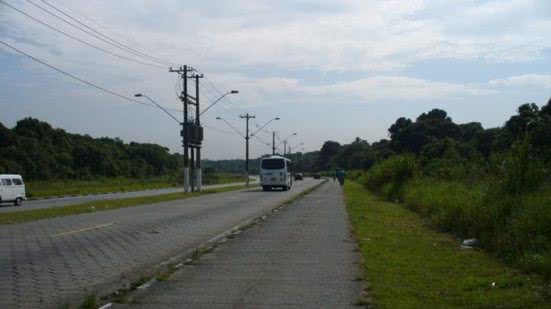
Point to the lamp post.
(139, 95)
(284, 142)
(292, 147)
(199, 176)
(217, 100)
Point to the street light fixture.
(267, 123)
(217, 100)
(229, 124)
(284, 142)
(139, 95)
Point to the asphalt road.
(300, 257)
(44, 263)
(73, 200)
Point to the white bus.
(275, 173)
(12, 189)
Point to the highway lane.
(44, 263)
(73, 200)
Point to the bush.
(521, 171)
(452, 206)
(390, 176)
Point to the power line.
(95, 33)
(260, 139)
(113, 33)
(75, 77)
(218, 130)
(77, 39)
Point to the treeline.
(39, 152)
(443, 147)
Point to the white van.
(275, 173)
(12, 189)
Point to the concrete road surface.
(73, 200)
(301, 257)
(46, 262)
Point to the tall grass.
(509, 211)
(390, 176)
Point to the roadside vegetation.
(52, 188)
(507, 209)
(89, 207)
(408, 264)
(54, 162)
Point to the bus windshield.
(273, 164)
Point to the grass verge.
(38, 214)
(52, 188)
(409, 265)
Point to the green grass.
(409, 265)
(38, 214)
(51, 188)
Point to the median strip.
(88, 207)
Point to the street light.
(292, 147)
(139, 95)
(229, 124)
(267, 123)
(217, 100)
(284, 142)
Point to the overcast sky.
(329, 69)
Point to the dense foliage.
(38, 151)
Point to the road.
(44, 263)
(300, 257)
(73, 200)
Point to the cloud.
(530, 80)
(377, 36)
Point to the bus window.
(273, 164)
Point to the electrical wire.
(79, 40)
(260, 139)
(95, 33)
(116, 45)
(75, 77)
(127, 40)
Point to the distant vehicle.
(317, 176)
(274, 173)
(299, 176)
(12, 189)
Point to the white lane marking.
(147, 284)
(95, 227)
(108, 305)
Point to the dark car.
(317, 176)
(299, 176)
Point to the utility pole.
(284, 148)
(247, 117)
(199, 176)
(273, 143)
(192, 132)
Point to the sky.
(330, 70)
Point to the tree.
(327, 153)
